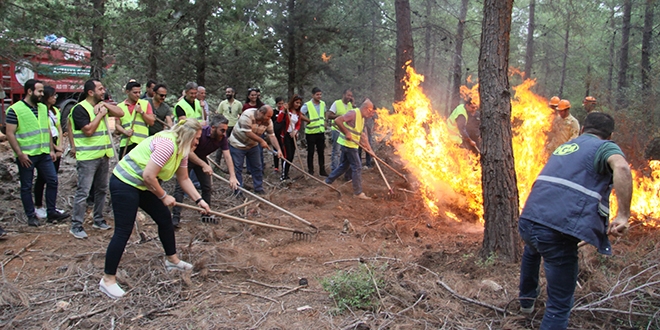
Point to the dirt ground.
(247, 277)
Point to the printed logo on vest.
(566, 149)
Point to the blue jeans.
(335, 156)
(560, 262)
(253, 158)
(350, 159)
(44, 164)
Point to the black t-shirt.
(80, 117)
(180, 112)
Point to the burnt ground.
(247, 277)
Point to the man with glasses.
(213, 138)
(161, 110)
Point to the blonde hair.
(185, 131)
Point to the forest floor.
(426, 268)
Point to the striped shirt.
(162, 150)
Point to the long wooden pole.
(260, 198)
(311, 176)
(231, 217)
(373, 154)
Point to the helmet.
(563, 105)
(554, 101)
(589, 99)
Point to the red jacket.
(287, 122)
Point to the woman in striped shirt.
(135, 183)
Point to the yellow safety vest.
(341, 110)
(91, 147)
(190, 112)
(316, 124)
(356, 132)
(140, 129)
(454, 134)
(33, 133)
(130, 169)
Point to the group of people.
(157, 144)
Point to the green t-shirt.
(608, 149)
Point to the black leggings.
(315, 141)
(125, 202)
(289, 152)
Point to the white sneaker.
(112, 291)
(41, 213)
(182, 265)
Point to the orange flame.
(326, 58)
(449, 175)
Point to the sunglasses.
(162, 95)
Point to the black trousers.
(315, 142)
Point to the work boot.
(323, 173)
(33, 221)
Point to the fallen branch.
(421, 296)
(249, 294)
(610, 310)
(291, 290)
(156, 310)
(8, 260)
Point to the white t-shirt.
(293, 120)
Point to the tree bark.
(529, 52)
(98, 34)
(458, 56)
(646, 45)
(565, 56)
(623, 61)
(404, 46)
(203, 12)
(610, 69)
(428, 31)
(498, 173)
(291, 42)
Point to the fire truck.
(63, 66)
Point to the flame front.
(450, 175)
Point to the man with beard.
(93, 151)
(28, 133)
(230, 108)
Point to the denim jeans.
(204, 181)
(350, 159)
(368, 161)
(253, 158)
(125, 202)
(335, 156)
(560, 262)
(44, 165)
(90, 171)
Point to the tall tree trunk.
(153, 44)
(498, 173)
(404, 46)
(200, 41)
(374, 49)
(623, 61)
(646, 45)
(529, 52)
(98, 34)
(565, 57)
(428, 31)
(291, 42)
(458, 56)
(610, 69)
(587, 81)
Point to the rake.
(297, 234)
(307, 174)
(263, 199)
(373, 154)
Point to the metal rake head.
(302, 236)
(209, 219)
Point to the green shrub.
(352, 288)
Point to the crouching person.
(134, 184)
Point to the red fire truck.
(61, 65)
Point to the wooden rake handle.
(307, 174)
(231, 217)
(373, 154)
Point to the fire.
(450, 175)
(325, 58)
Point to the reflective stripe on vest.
(454, 134)
(33, 132)
(342, 109)
(190, 112)
(356, 132)
(130, 169)
(603, 209)
(91, 147)
(316, 124)
(140, 128)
